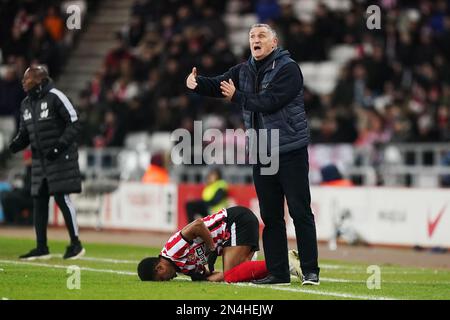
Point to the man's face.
(262, 42)
(29, 80)
(211, 177)
(164, 271)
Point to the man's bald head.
(34, 76)
(38, 72)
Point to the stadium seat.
(329, 69)
(233, 6)
(2, 142)
(82, 159)
(342, 53)
(160, 141)
(239, 38)
(327, 73)
(309, 71)
(338, 5)
(128, 162)
(248, 20)
(137, 141)
(324, 87)
(233, 21)
(320, 77)
(392, 156)
(304, 9)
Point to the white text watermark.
(234, 146)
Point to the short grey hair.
(264, 25)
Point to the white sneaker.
(294, 263)
(255, 256)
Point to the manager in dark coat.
(269, 89)
(49, 123)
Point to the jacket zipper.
(38, 142)
(260, 117)
(256, 91)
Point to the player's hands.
(191, 81)
(212, 257)
(209, 248)
(228, 89)
(199, 276)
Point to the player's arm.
(21, 140)
(215, 277)
(197, 229)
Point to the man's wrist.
(238, 97)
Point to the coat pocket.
(287, 121)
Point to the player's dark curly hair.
(146, 268)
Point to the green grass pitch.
(109, 272)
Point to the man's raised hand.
(191, 82)
(228, 89)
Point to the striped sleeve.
(216, 223)
(176, 247)
(215, 218)
(66, 103)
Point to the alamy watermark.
(74, 279)
(74, 19)
(374, 280)
(234, 146)
(373, 14)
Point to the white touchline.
(338, 266)
(344, 269)
(330, 267)
(340, 280)
(316, 292)
(108, 260)
(362, 269)
(58, 266)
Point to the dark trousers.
(291, 182)
(196, 207)
(40, 204)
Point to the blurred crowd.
(141, 86)
(31, 32)
(396, 89)
(34, 32)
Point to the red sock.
(247, 271)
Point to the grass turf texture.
(109, 272)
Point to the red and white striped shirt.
(192, 257)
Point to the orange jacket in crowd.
(155, 174)
(55, 27)
(338, 183)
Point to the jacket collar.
(40, 90)
(278, 53)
